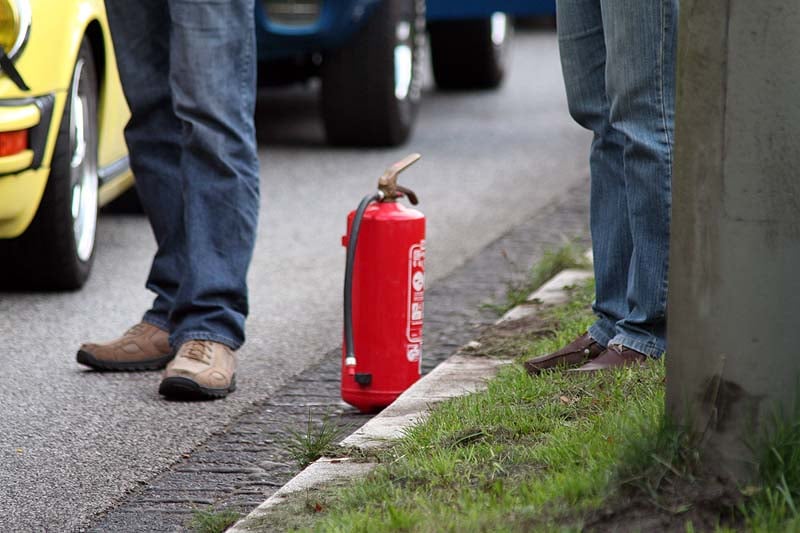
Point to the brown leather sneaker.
(142, 347)
(582, 349)
(201, 370)
(614, 356)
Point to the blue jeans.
(188, 72)
(618, 60)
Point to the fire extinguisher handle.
(388, 181)
(411, 195)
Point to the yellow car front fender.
(21, 194)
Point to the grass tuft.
(775, 505)
(316, 440)
(657, 453)
(211, 521)
(570, 255)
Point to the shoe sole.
(180, 388)
(85, 358)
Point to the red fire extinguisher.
(384, 293)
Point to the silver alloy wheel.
(83, 165)
(501, 32)
(499, 28)
(403, 60)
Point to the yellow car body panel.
(16, 162)
(20, 118)
(20, 194)
(46, 64)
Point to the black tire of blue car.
(470, 54)
(57, 250)
(372, 86)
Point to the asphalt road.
(72, 441)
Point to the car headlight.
(15, 25)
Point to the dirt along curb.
(457, 376)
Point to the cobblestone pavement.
(243, 465)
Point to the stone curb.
(457, 376)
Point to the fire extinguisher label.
(416, 297)
(413, 352)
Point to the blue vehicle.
(368, 55)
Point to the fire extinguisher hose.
(350, 356)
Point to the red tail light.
(13, 142)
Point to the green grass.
(775, 503)
(314, 441)
(570, 255)
(525, 455)
(550, 454)
(211, 521)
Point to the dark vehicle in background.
(368, 55)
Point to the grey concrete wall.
(734, 297)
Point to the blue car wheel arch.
(333, 22)
(472, 9)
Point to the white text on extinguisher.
(416, 291)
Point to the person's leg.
(640, 39)
(581, 41)
(140, 31)
(582, 44)
(213, 78)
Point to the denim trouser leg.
(618, 62)
(201, 55)
(140, 31)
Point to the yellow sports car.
(62, 150)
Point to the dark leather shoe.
(615, 356)
(579, 351)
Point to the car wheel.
(371, 87)
(470, 54)
(57, 249)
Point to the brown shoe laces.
(199, 351)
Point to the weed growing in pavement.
(570, 255)
(316, 440)
(211, 521)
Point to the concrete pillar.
(734, 285)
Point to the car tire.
(470, 54)
(371, 87)
(57, 250)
